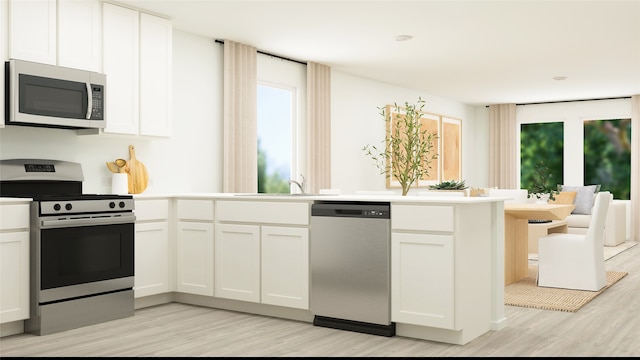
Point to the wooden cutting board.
(138, 175)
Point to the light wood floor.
(607, 326)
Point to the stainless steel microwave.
(54, 96)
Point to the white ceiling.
(475, 52)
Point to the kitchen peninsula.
(250, 253)
(447, 257)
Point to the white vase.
(542, 198)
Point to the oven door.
(85, 260)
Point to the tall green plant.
(408, 148)
(542, 183)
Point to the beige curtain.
(319, 127)
(240, 149)
(635, 167)
(503, 158)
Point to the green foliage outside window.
(607, 155)
(541, 142)
(269, 183)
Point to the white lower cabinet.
(237, 262)
(422, 285)
(152, 255)
(194, 242)
(14, 262)
(285, 266)
(264, 261)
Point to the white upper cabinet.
(137, 50)
(32, 30)
(120, 63)
(155, 75)
(79, 30)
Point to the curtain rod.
(266, 53)
(565, 101)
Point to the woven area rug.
(525, 293)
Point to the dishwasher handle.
(348, 212)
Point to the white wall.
(356, 122)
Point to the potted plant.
(408, 148)
(541, 188)
(449, 185)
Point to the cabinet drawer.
(270, 212)
(422, 218)
(14, 216)
(151, 210)
(195, 209)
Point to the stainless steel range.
(82, 246)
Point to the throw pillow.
(565, 198)
(584, 198)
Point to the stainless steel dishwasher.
(350, 266)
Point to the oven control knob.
(68, 207)
(121, 204)
(57, 207)
(112, 205)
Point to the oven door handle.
(88, 221)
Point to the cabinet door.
(285, 266)
(152, 259)
(32, 30)
(422, 288)
(155, 75)
(79, 34)
(237, 265)
(120, 63)
(4, 40)
(14, 276)
(195, 258)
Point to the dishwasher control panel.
(353, 209)
(375, 213)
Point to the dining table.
(516, 234)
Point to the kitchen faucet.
(299, 183)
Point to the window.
(581, 142)
(281, 97)
(275, 121)
(541, 144)
(607, 155)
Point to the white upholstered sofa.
(577, 222)
(615, 228)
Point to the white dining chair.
(576, 261)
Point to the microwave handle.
(90, 101)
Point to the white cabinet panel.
(197, 210)
(120, 50)
(422, 217)
(422, 283)
(4, 41)
(285, 266)
(32, 30)
(152, 259)
(79, 34)
(152, 210)
(155, 75)
(237, 262)
(14, 216)
(14, 276)
(270, 212)
(14, 262)
(195, 258)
